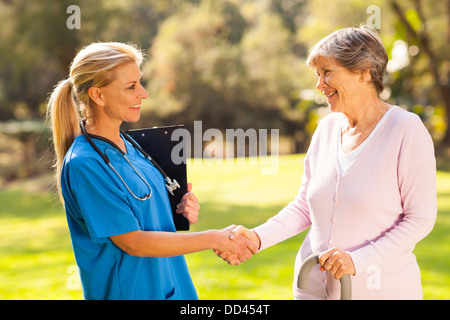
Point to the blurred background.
(231, 64)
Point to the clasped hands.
(243, 244)
(233, 244)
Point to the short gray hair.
(355, 49)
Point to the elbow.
(130, 243)
(425, 224)
(430, 219)
(430, 223)
(132, 251)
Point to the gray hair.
(355, 49)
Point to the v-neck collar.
(365, 144)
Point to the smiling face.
(121, 99)
(342, 87)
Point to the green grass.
(36, 255)
(35, 249)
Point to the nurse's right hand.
(239, 247)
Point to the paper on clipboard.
(157, 143)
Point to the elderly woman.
(368, 192)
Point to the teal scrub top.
(99, 206)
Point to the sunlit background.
(230, 64)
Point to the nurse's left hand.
(189, 206)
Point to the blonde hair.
(355, 49)
(70, 101)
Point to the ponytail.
(65, 121)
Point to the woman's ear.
(366, 77)
(96, 95)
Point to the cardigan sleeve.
(416, 170)
(295, 217)
(291, 220)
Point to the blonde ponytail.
(69, 101)
(65, 120)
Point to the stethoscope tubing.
(170, 184)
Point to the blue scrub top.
(99, 206)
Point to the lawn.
(36, 259)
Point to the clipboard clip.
(171, 185)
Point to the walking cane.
(305, 269)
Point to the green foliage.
(229, 66)
(228, 62)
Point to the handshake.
(238, 244)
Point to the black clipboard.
(158, 144)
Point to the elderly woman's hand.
(189, 206)
(337, 262)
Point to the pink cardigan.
(377, 210)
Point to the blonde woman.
(119, 216)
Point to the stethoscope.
(171, 185)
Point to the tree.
(34, 50)
(417, 26)
(37, 47)
(213, 63)
(422, 83)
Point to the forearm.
(167, 244)
(290, 221)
